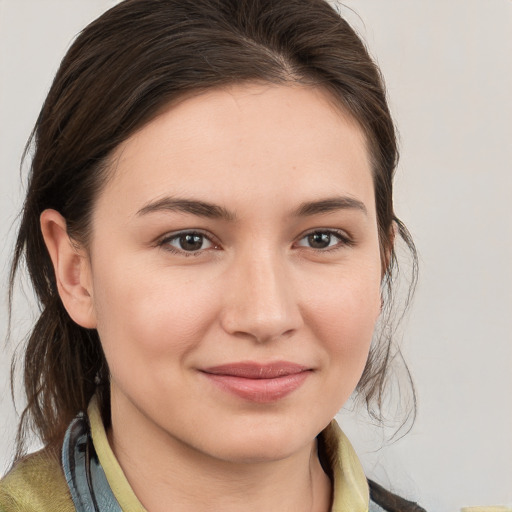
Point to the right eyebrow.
(194, 207)
(330, 204)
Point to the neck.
(163, 470)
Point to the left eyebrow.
(329, 205)
(199, 208)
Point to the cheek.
(150, 319)
(344, 317)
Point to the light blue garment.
(86, 479)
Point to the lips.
(256, 382)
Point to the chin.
(258, 452)
(261, 443)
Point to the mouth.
(261, 383)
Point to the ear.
(72, 269)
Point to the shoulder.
(35, 483)
(382, 500)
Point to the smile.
(261, 383)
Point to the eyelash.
(344, 241)
(165, 243)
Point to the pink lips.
(258, 382)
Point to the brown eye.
(319, 240)
(326, 239)
(191, 242)
(187, 242)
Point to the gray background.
(448, 69)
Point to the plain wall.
(449, 77)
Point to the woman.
(209, 228)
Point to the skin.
(256, 290)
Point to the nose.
(260, 301)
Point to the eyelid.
(346, 240)
(163, 241)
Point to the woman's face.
(235, 271)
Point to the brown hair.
(119, 73)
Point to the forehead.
(246, 142)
